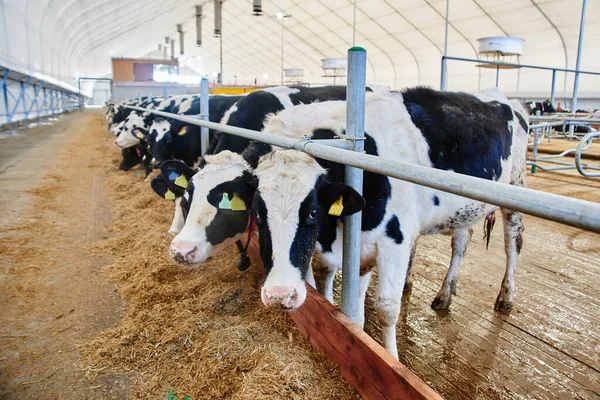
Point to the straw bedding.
(204, 332)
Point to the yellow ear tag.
(181, 181)
(169, 195)
(225, 204)
(182, 131)
(337, 207)
(139, 135)
(237, 204)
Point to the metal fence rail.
(574, 212)
(24, 97)
(569, 211)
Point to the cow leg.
(328, 283)
(392, 261)
(363, 285)
(460, 239)
(513, 240)
(409, 279)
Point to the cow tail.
(488, 226)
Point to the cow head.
(133, 131)
(293, 200)
(216, 207)
(159, 129)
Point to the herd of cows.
(296, 203)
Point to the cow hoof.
(440, 304)
(503, 306)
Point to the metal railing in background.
(544, 129)
(25, 97)
(574, 212)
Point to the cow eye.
(312, 216)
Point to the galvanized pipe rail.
(569, 211)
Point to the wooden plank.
(367, 366)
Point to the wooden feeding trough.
(366, 365)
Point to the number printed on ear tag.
(181, 181)
(169, 195)
(225, 204)
(337, 207)
(237, 204)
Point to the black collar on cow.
(244, 262)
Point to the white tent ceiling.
(404, 39)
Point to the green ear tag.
(169, 195)
(237, 204)
(225, 204)
(337, 207)
(181, 181)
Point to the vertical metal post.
(5, 95)
(444, 61)
(139, 98)
(166, 92)
(204, 115)
(221, 57)
(553, 90)
(536, 134)
(497, 74)
(282, 19)
(149, 95)
(172, 49)
(355, 127)
(79, 91)
(165, 52)
(578, 64)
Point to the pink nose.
(284, 296)
(183, 252)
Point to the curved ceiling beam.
(140, 21)
(490, 17)
(291, 44)
(462, 35)
(561, 39)
(335, 34)
(413, 26)
(87, 25)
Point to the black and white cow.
(296, 196)
(135, 121)
(251, 111)
(181, 140)
(299, 200)
(206, 229)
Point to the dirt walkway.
(53, 296)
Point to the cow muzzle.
(285, 297)
(185, 252)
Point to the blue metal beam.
(24, 86)
(5, 95)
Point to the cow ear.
(340, 200)
(235, 195)
(176, 173)
(139, 133)
(161, 188)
